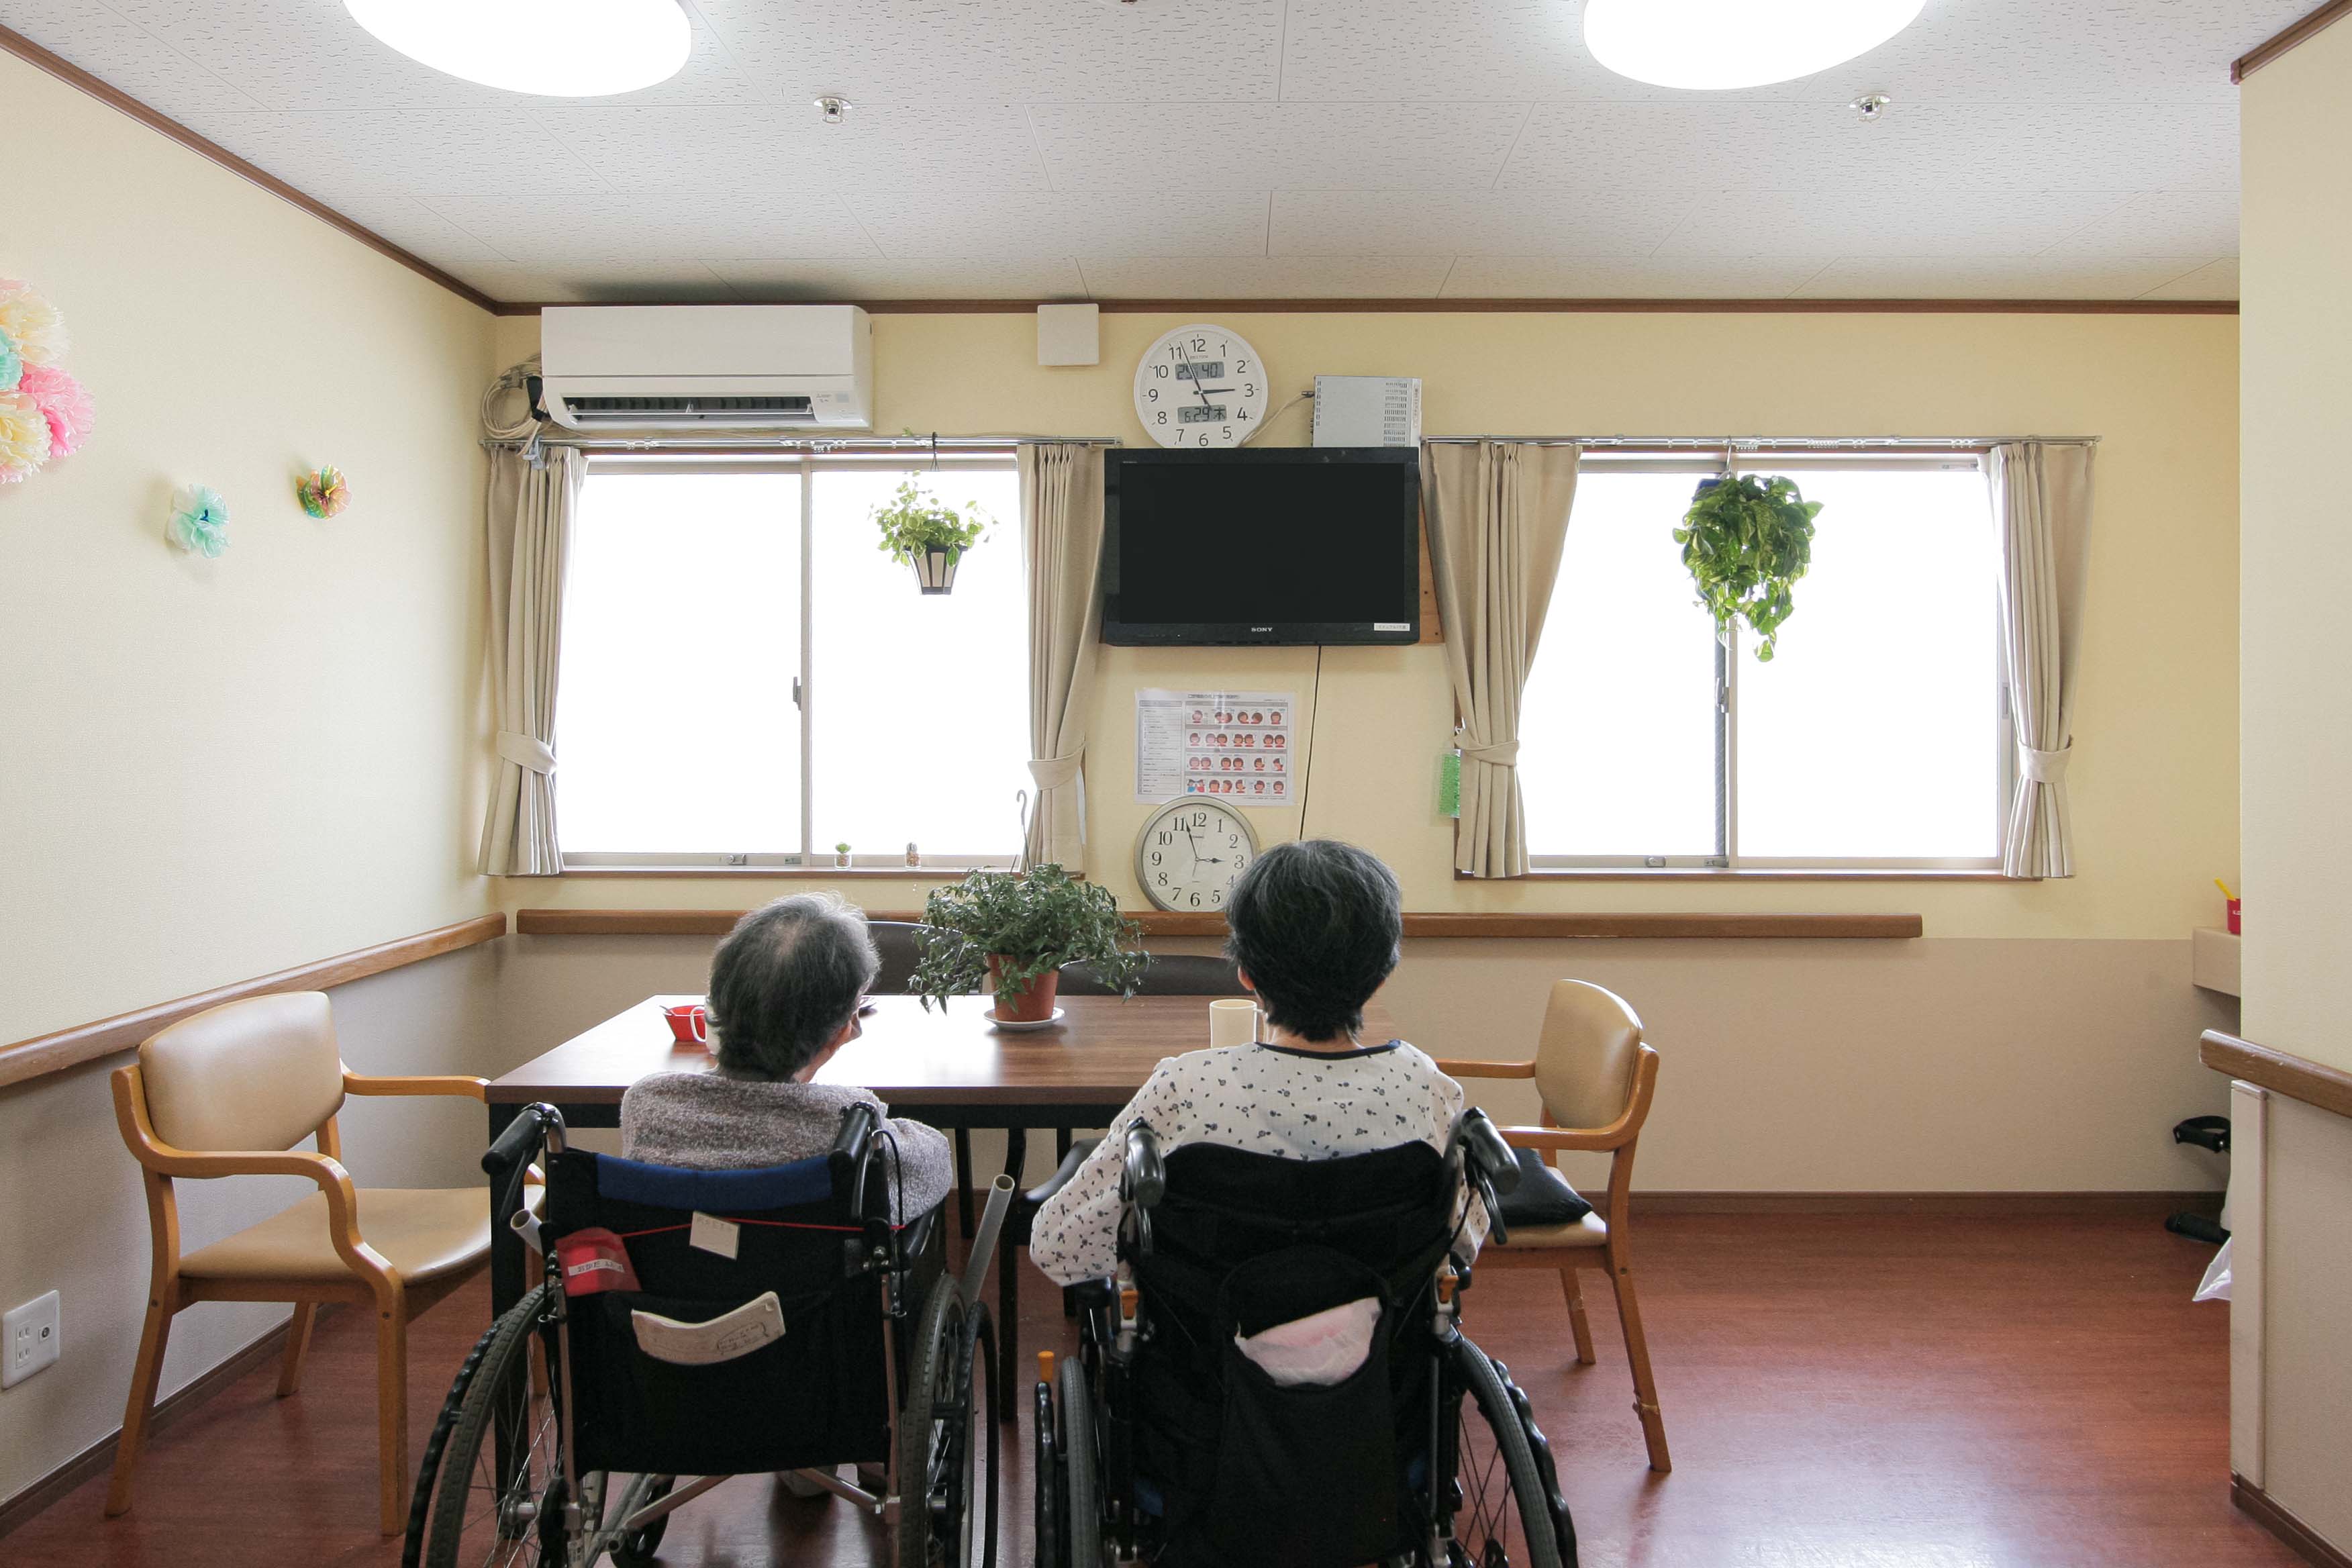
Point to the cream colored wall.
(2297, 750)
(2154, 779)
(216, 769)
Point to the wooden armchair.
(1596, 1078)
(228, 1092)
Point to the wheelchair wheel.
(1507, 1507)
(948, 1439)
(1081, 1472)
(476, 1516)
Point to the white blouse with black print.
(1269, 1099)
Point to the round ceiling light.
(1716, 44)
(559, 48)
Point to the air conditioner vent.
(746, 411)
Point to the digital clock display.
(1201, 370)
(1200, 413)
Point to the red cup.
(689, 1023)
(2234, 904)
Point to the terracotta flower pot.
(1025, 1006)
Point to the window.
(1876, 738)
(746, 680)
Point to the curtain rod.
(819, 444)
(1771, 443)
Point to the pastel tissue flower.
(12, 364)
(199, 519)
(24, 437)
(64, 403)
(32, 324)
(324, 493)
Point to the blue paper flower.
(12, 364)
(199, 519)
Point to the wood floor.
(1840, 1392)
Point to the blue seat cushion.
(715, 1191)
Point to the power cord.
(1306, 396)
(1314, 717)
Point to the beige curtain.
(2042, 510)
(1497, 515)
(530, 509)
(1061, 549)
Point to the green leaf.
(1744, 541)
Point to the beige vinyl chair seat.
(423, 1233)
(1589, 1231)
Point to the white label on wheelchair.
(712, 1233)
(737, 1334)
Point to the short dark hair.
(785, 981)
(1316, 925)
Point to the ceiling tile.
(411, 152)
(124, 54)
(976, 223)
(563, 233)
(2162, 223)
(949, 278)
(613, 283)
(952, 51)
(1265, 277)
(1884, 218)
(1989, 278)
(877, 147)
(1256, 146)
(2214, 280)
(1553, 278)
(1628, 222)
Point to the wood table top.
(1098, 1054)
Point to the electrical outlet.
(28, 1338)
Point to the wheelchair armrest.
(1144, 1182)
(1062, 1177)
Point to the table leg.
(1008, 1288)
(507, 1283)
(963, 1179)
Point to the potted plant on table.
(928, 536)
(1016, 930)
(1746, 539)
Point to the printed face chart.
(1229, 745)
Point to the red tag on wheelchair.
(594, 1261)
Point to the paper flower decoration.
(199, 519)
(324, 493)
(32, 324)
(12, 364)
(24, 437)
(64, 403)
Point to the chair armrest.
(476, 1088)
(1468, 1068)
(1559, 1138)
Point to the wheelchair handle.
(1146, 1175)
(850, 1148)
(1488, 1154)
(521, 1138)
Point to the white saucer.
(1012, 1027)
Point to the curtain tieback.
(2045, 767)
(1504, 756)
(1055, 772)
(531, 756)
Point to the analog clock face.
(1189, 854)
(1201, 386)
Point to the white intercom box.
(1069, 334)
(1367, 410)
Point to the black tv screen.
(1315, 544)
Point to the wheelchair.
(694, 1325)
(1164, 1442)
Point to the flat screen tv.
(1309, 544)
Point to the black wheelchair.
(718, 1323)
(1164, 1442)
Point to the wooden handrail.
(86, 1042)
(717, 923)
(2297, 1078)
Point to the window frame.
(806, 464)
(1728, 861)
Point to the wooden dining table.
(947, 1066)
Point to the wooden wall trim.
(72, 75)
(2287, 38)
(717, 923)
(1478, 307)
(2256, 1504)
(64, 1049)
(2297, 1078)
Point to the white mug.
(1232, 1021)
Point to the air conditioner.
(624, 368)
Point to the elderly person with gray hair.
(787, 987)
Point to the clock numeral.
(1216, 897)
(1241, 367)
(1155, 856)
(1160, 371)
(1200, 345)
(1196, 900)
(1166, 838)
(1162, 416)
(1162, 879)
(1200, 819)
(1249, 389)
(1152, 394)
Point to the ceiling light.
(1713, 43)
(561, 49)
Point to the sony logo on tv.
(1261, 629)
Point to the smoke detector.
(834, 110)
(1870, 106)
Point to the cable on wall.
(1314, 713)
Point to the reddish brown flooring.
(1840, 1392)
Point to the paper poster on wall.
(1231, 745)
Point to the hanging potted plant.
(1016, 930)
(929, 537)
(1746, 540)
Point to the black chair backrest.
(895, 941)
(1170, 975)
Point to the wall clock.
(1201, 386)
(1189, 853)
